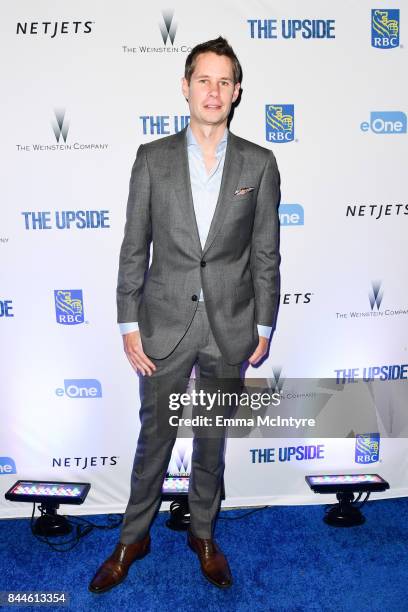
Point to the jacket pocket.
(154, 289)
(244, 292)
(242, 199)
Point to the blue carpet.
(282, 558)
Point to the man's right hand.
(139, 361)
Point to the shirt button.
(203, 264)
(194, 297)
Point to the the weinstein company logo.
(277, 382)
(375, 295)
(375, 298)
(60, 125)
(168, 29)
(180, 462)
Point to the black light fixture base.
(179, 515)
(51, 524)
(344, 514)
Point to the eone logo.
(291, 214)
(80, 388)
(386, 122)
(7, 465)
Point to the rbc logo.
(280, 122)
(81, 388)
(69, 307)
(385, 28)
(291, 214)
(7, 466)
(367, 448)
(386, 122)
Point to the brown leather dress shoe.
(114, 570)
(214, 564)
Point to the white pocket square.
(243, 190)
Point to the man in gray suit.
(208, 201)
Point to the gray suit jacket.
(238, 268)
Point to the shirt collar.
(191, 140)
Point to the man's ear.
(185, 88)
(235, 95)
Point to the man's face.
(211, 91)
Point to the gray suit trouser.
(155, 444)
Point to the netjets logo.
(375, 295)
(168, 29)
(60, 125)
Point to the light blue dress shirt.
(205, 188)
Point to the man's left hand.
(260, 350)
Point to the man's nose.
(214, 89)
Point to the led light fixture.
(347, 512)
(50, 495)
(174, 485)
(175, 490)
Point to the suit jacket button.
(203, 264)
(194, 297)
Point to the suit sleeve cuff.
(127, 328)
(264, 330)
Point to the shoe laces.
(209, 547)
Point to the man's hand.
(139, 361)
(260, 350)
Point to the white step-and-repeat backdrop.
(84, 84)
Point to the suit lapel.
(180, 173)
(230, 176)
